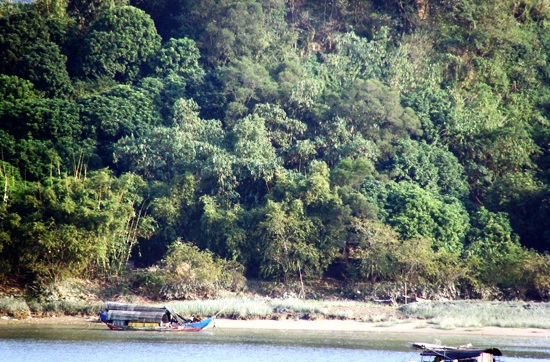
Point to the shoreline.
(418, 327)
(404, 327)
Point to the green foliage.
(247, 83)
(31, 36)
(70, 226)
(16, 308)
(415, 213)
(192, 144)
(317, 186)
(117, 44)
(375, 112)
(354, 93)
(359, 58)
(179, 57)
(47, 136)
(174, 70)
(85, 12)
(45, 67)
(189, 273)
(351, 172)
(499, 261)
(120, 218)
(300, 234)
(285, 133)
(256, 155)
(430, 166)
(352, 139)
(524, 199)
(414, 261)
(13, 88)
(222, 229)
(169, 203)
(485, 139)
(371, 250)
(231, 29)
(287, 251)
(57, 251)
(21, 28)
(119, 112)
(540, 271)
(338, 142)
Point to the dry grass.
(256, 307)
(478, 314)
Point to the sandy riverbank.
(410, 327)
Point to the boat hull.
(442, 353)
(158, 327)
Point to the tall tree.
(119, 112)
(174, 73)
(50, 136)
(118, 43)
(45, 66)
(21, 28)
(231, 29)
(85, 12)
(287, 254)
(246, 84)
(431, 166)
(73, 226)
(255, 155)
(415, 212)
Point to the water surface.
(94, 342)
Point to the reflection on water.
(93, 342)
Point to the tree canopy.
(397, 144)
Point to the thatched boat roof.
(143, 317)
(136, 313)
(132, 307)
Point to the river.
(94, 342)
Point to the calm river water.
(93, 342)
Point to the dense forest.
(397, 146)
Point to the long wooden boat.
(133, 317)
(440, 353)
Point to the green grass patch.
(267, 308)
(390, 323)
(20, 309)
(66, 307)
(239, 308)
(14, 307)
(478, 314)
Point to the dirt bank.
(411, 327)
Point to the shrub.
(14, 307)
(186, 272)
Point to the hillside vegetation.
(397, 146)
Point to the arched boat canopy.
(136, 313)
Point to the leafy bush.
(186, 272)
(14, 307)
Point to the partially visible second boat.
(133, 317)
(440, 353)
